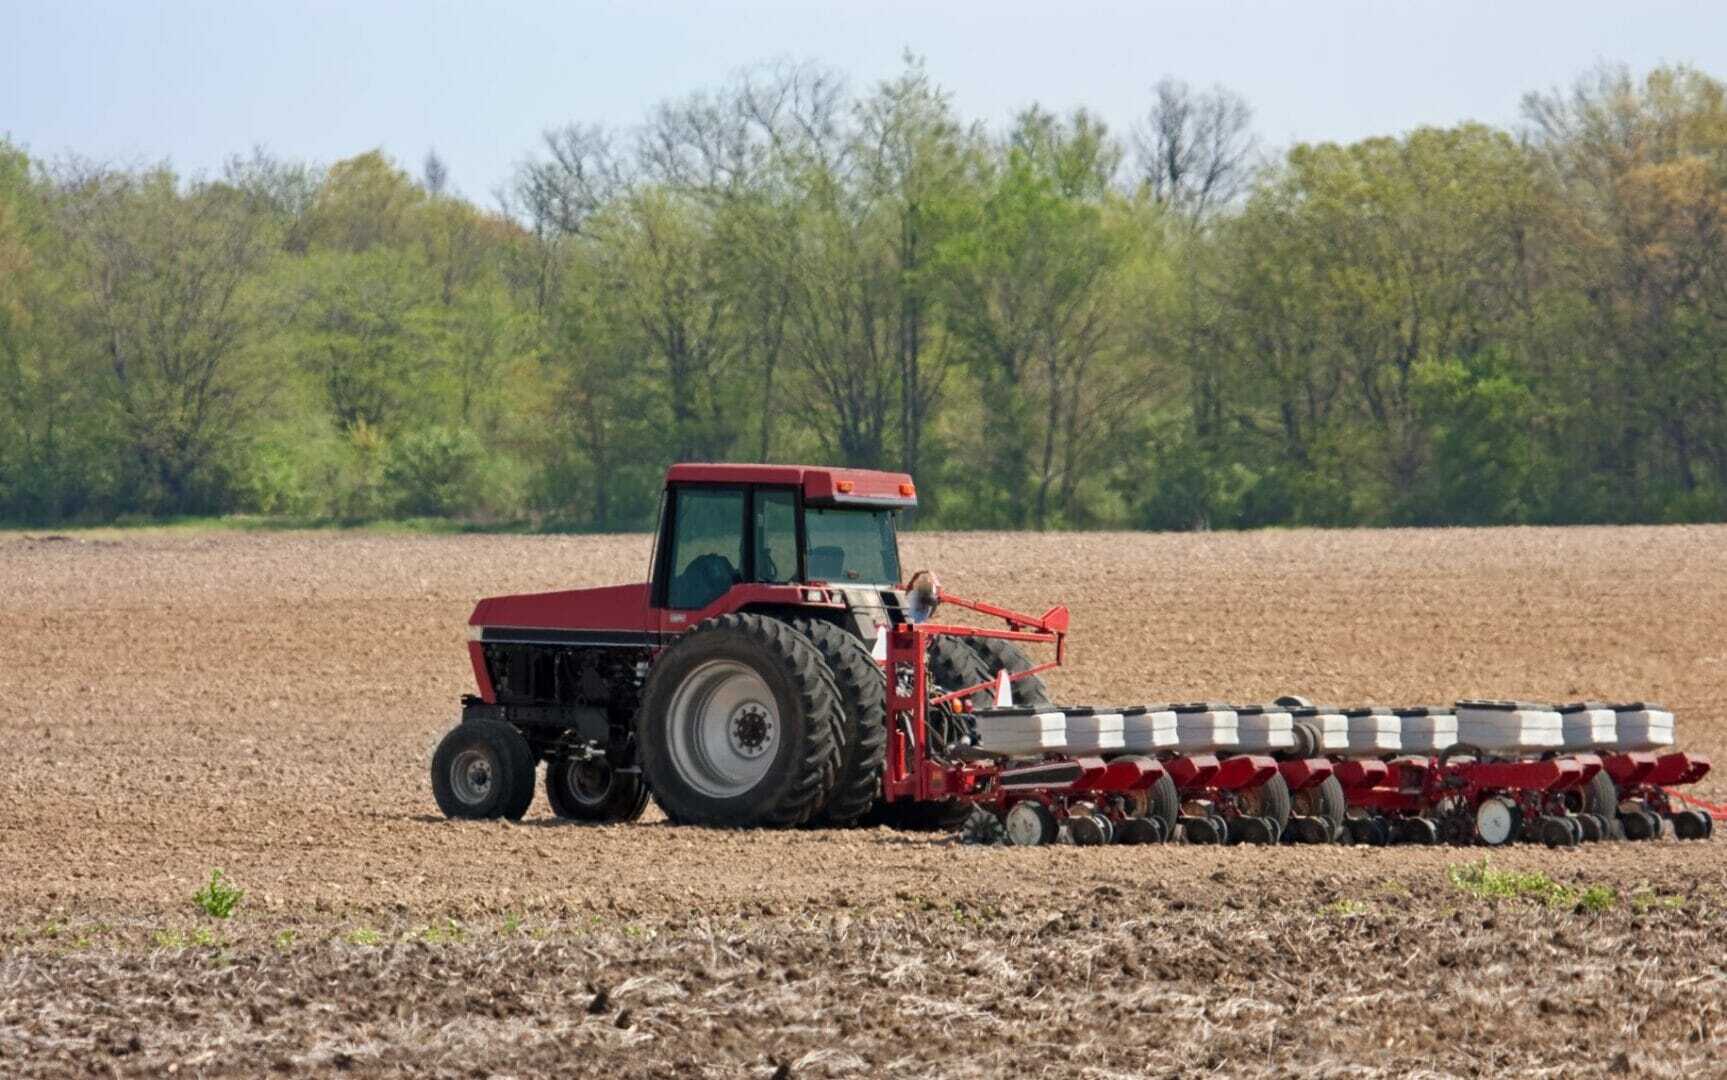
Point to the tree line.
(1052, 325)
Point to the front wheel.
(483, 769)
(593, 790)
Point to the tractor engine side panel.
(562, 692)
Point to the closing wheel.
(592, 790)
(737, 723)
(1592, 826)
(1636, 824)
(483, 769)
(1140, 830)
(1554, 831)
(1371, 830)
(1309, 830)
(1268, 800)
(1087, 831)
(1496, 821)
(1691, 825)
(1415, 830)
(1201, 830)
(1031, 824)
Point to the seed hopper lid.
(1369, 710)
(1300, 711)
(1638, 706)
(1583, 706)
(1493, 705)
(1201, 706)
(1423, 710)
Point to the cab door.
(703, 536)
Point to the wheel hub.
(471, 775)
(590, 781)
(750, 730)
(723, 730)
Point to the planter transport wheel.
(1496, 821)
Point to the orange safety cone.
(1003, 690)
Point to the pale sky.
(193, 82)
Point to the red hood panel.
(614, 607)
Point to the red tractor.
(738, 685)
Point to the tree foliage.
(1050, 324)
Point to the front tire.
(483, 769)
(737, 725)
(593, 790)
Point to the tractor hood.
(612, 607)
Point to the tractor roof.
(822, 484)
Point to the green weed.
(219, 897)
(1484, 881)
(1343, 909)
(363, 936)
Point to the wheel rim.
(472, 774)
(1493, 822)
(588, 782)
(1025, 825)
(724, 727)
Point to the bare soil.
(267, 704)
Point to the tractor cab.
(769, 527)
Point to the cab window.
(776, 533)
(707, 546)
(851, 545)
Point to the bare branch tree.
(1196, 149)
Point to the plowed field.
(267, 703)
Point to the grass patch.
(1484, 881)
(202, 938)
(1343, 909)
(1649, 900)
(450, 933)
(363, 936)
(219, 896)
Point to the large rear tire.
(863, 737)
(483, 769)
(999, 654)
(736, 727)
(592, 790)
